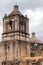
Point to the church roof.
(15, 11)
(34, 39)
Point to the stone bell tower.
(16, 35)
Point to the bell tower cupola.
(16, 7)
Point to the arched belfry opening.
(10, 23)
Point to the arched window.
(8, 26)
(22, 26)
(10, 23)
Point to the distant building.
(17, 47)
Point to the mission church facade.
(17, 47)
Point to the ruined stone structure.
(17, 47)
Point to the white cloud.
(36, 21)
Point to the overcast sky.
(33, 9)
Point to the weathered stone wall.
(2, 53)
(10, 52)
(21, 49)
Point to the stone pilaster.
(10, 52)
(16, 50)
(19, 49)
(28, 49)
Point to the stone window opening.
(10, 23)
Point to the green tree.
(41, 48)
